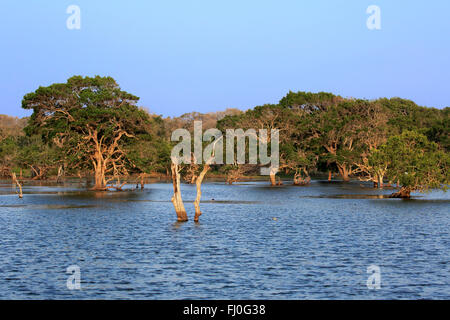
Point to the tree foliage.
(415, 162)
(90, 124)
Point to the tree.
(149, 152)
(373, 131)
(37, 155)
(269, 117)
(177, 200)
(415, 162)
(336, 130)
(8, 155)
(308, 102)
(91, 120)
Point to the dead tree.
(199, 181)
(177, 200)
(60, 173)
(18, 185)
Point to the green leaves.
(86, 115)
(414, 161)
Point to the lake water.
(253, 242)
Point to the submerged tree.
(91, 119)
(177, 200)
(415, 162)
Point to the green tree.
(90, 119)
(150, 151)
(415, 162)
(8, 155)
(269, 116)
(336, 129)
(37, 155)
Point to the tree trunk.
(19, 186)
(60, 173)
(273, 181)
(142, 181)
(99, 171)
(380, 182)
(100, 183)
(404, 193)
(198, 182)
(344, 172)
(176, 198)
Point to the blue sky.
(181, 56)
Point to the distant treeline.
(90, 127)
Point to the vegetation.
(90, 127)
(91, 121)
(416, 163)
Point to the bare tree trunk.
(36, 172)
(273, 181)
(404, 193)
(198, 182)
(60, 173)
(142, 181)
(176, 198)
(19, 186)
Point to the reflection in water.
(252, 242)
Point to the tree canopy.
(90, 125)
(90, 120)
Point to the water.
(253, 242)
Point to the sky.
(183, 56)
